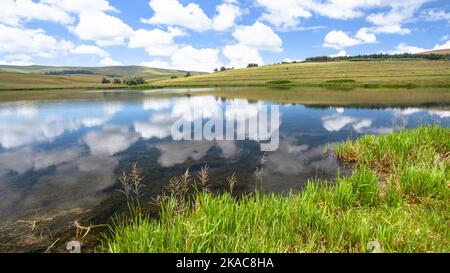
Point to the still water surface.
(59, 155)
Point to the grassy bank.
(397, 197)
(364, 74)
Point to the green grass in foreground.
(397, 196)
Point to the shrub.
(135, 81)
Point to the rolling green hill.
(387, 73)
(366, 74)
(116, 71)
(36, 77)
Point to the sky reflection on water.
(66, 154)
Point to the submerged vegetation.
(397, 197)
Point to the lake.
(61, 153)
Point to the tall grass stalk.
(397, 197)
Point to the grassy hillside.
(34, 77)
(11, 81)
(117, 71)
(345, 73)
(366, 74)
(441, 51)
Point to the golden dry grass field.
(36, 77)
(11, 81)
(439, 51)
(363, 73)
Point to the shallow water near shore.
(60, 155)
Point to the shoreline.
(336, 87)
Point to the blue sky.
(204, 34)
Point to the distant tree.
(252, 65)
(117, 81)
(174, 77)
(223, 68)
(105, 81)
(216, 70)
(140, 80)
(188, 74)
(135, 81)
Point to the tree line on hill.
(381, 56)
(223, 68)
(69, 72)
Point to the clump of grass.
(415, 162)
(407, 214)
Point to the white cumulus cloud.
(258, 36)
(20, 60)
(90, 50)
(156, 42)
(341, 53)
(35, 42)
(227, 13)
(103, 29)
(173, 13)
(17, 12)
(338, 39)
(157, 64)
(192, 59)
(80, 6)
(240, 56)
(250, 41)
(108, 61)
(405, 48)
(284, 13)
